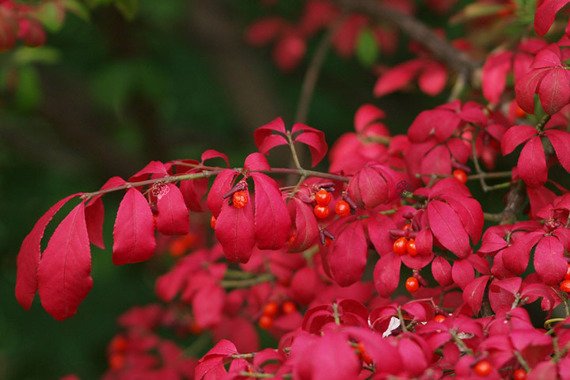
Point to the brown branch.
(418, 31)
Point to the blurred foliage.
(131, 80)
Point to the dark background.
(110, 94)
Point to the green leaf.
(367, 48)
(51, 15)
(28, 91)
(78, 9)
(26, 55)
(128, 8)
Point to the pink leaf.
(525, 88)
(549, 261)
(94, 215)
(314, 139)
(473, 293)
(29, 256)
(439, 122)
(545, 14)
(447, 228)
(222, 184)
(532, 163)
(211, 365)
(172, 218)
(560, 141)
(236, 231)
(387, 274)
(154, 169)
(515, 136)
(554, 90)
(347, 256)
(272, 223)
(379, 228)
(193, 192)
(270, 135)
(211, 154)
(64, 273)
(133, 232)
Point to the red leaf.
(387, 274)
(29, 256)
(495, 73)
(313, 138)
(306, 229)
(94, 216)
(560, 141)
(212, 153)
(554, 90)
(532, 163)
(439, 122)
(549, 260)
(222, 184)
(133, 232)
(64, 273)
(515, 136)
(236, 232)
(441, 270)
(211, 366)
(270, 135)
(263, 31)
(397, 77)
(473, 293)
(207, 305)
(256, 161)
(462, 273)
(525, 88)
(272, 223)
(379, 228)
(545, 14)
(347, 255)
(447, 228)
(172, 218)
(433, 78)
(366, 115)
(193, 192)
(154, 169)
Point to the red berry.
(411, 248)
(483, 368)
(288, 307)
(519, 374)
(342, 208)
(439, 318)
(321, 212)
(363, 354)
(400, 246)
(323, 197)
(565, 286)
(567, 277)
(117, 361)
(213, 222)
(240, 198)
(195, 328)
(412, 284)
(270, 309)
(407, 227)
(460, 175)
(265, 322)
(118, 343)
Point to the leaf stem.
(247, 282)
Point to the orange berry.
(411, 248)
(412, 284)
(270, 309)
(118, 343)
(117, 361)
(439, 318)
(519, 374)
(400, 246)
(342, 208)
(213, 222)
(483, 368)
(407, 227)
(321, 212)
(265, 322)
(323, 197)
(565, 286)
(288, 307)
(460, 175)
(240, 198)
